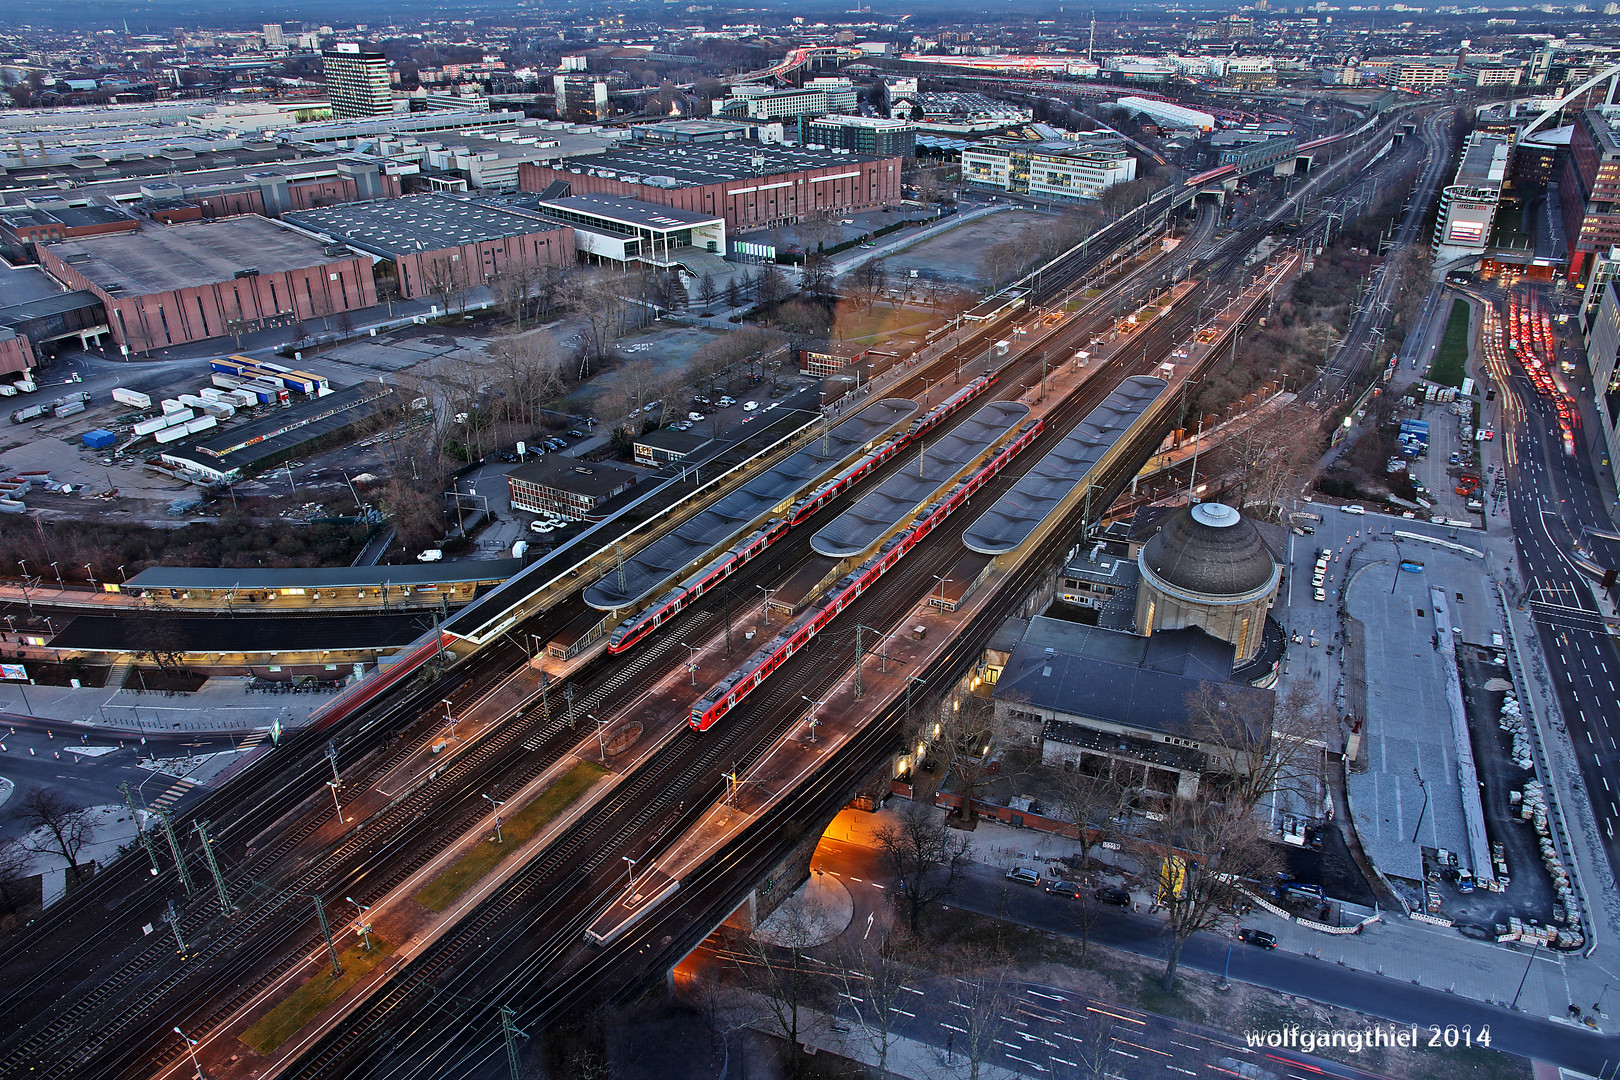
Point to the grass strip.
(314, 994)
(1452, 358)
(471, 866)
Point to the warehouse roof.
(677, 551)
(159, 258)
(632, 212)
(694, 164)
(419, 223)
(917, 481)
(1017, 514)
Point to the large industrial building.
(442, 244)
(166, 286)
(1052, 168)
(1168, 114)
(748, 184)
(1468, 204)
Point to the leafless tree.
(878, 978)
(14, 863)
(814, 229)
(446, 278)
(817, 279)
(733, 294)
(869, 280)
(66, 824)
(1090, 1056)
(783, 980)
(598, 299)
(980, 745)
(985, 1002)
(708, 292)
(1091, 802)
(770, 286)
(1206, 850)
(926, 856)
(1258, 744)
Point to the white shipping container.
(211, 393)
(227, 382)
(243, 399)
(191, 401)
(147, 427)
(202, 423)
(171, 406)
(7, 390)
(171, 419)
(70, 408)
(170, 434)
(219, 410)
(27, 386)
(132, 397)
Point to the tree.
(783, 979)
(1089, 1052)
(162, 641)
(1091, 802)
(979, 739)
(1206, 850)
(733, 293)
(1258, 745)
(707, 291)
(14, 863)
(816, 280)
(66, 823)
(770, 285)
(446, 280)
(869, 280)
(597, 298)
(925, 855)
(877, 978)
(987, 1002)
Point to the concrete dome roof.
(1209, 549)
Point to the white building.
(1468, 204)
(1055, 168)
(1167, 114)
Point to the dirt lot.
(954, 256)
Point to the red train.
(638, 626)
(737, 685)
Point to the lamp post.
(691, 661)
(813, 722)
(497, 805)
(361, 927)
(123, 575)
(90, 570)
(601, 735)
(191, 1048)
(943, 581)
(766, 610)
(449, 719)
(632, 863)
(335, 802)
(58, 570)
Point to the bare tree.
(446, 278)
(733, 294)
(707, 291)
(877, 979)
(869, 280)
(982, 747)
(1206, 850)
(14, 863)
(1090, 1054)
(66, 823)
(598, 300)
(769, 286)
(1091, 802)
(783, 980)
(986, 1001)
(926, 856)
(817, 278)
(1257, 744)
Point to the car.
(750, 406)
(1113, 894)
(1455, 459)
(695, 417)
(1263, 938)
(1023, 875)
(773, 405)
(1063, 888)
(749, 419)
(1319, 593)
(575, 433)
(1353, 508)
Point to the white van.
(750, 406)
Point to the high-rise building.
(1468, 204)
(273, 37)
(357, 83)
(1589, 191)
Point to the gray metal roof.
(1014, 516)
(429, 222)
(863, 524)
(681, 550)
(249, 578)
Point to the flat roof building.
(566, 486)
(747, 184)
(864, 134)
(233, 451)
(1468, 204)
(443, 243)
(634, 230)
(1050, 168)
(658, 448)
(169, 285)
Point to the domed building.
(1208, 567)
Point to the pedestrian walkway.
(222, 705)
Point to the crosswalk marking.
(173, 795)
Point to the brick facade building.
(750, 185)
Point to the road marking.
(1179, 1069)
(1031, 1064)
(1048, 997)
(1124, 1053)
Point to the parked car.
(1113, 894)
(1354, 509)
(1319, 593)
(1063, 888)
(695, 417)
(1262, 938)
(1023, 875)
(750, 406)
(575, 433)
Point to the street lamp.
(943, 581)
(58, 570)
(123, 575)
(88, 569)
(601, 735)
(497, 805)
(191, 1047)
(813, 722)
(361, 926)
(449, 719)
(767, 608)
(632, 863)
(335, 802)
(691, 661)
